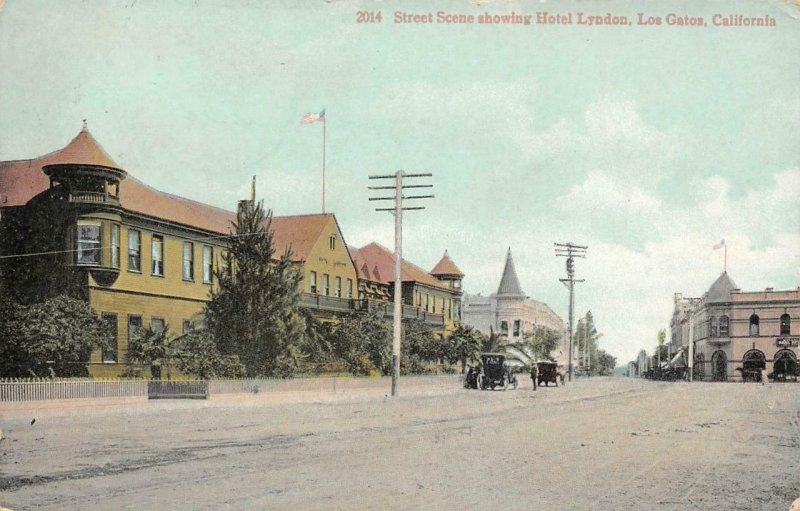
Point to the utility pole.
(397, 211)
(570, 251)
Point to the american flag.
(719, 245)
(309, 117)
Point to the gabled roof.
(446, 267)
(720, 290)
(509, 282)
(380, 264)
(299, 231)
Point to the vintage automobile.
(547, 372)
(494, 372)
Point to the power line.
(73, 250)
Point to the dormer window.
(88, 244)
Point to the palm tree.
(465, 344)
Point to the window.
(426, 303)
(208, 269)
(516, 327)
(786, 324)
(110, 351)
(188, 260)
(504, 327)
(325, 284)
(712, 321)
(349, 288)
(134, 327)
(332, 242)
(157, 325)
(88, 243)
(723, 326)
(457, 311)
(158, 255)
(433, 304)
(134, 251)
(337, 287)
(187, 326)
(115, 246)
(312, 282)
(754, 325)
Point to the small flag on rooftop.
(309, 117)
(719, 245)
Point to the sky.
(648, 144)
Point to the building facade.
(510, 312)
(434, 297)
(735, 331)
(138, 256)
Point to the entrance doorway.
(719, 366)
(754, 360)
(785, 366)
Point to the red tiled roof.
(300, 231)
(380, 262)
(446, 266)
(22, 180)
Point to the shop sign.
(787, 342)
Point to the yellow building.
(434, 297)
(141, 257)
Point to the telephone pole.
(570, 251)
(397, 211)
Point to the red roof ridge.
(179, 197)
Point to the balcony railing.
(93, 198)
(336, 304)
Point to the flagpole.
(324, 125)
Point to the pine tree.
(253, 312)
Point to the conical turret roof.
(84, 150)
(509, 282)
(720, 290)
(446, 267)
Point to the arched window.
(754, 325)
(504, 327)
(712, 321)
(786, 324)
(723, 326)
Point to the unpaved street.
(610, 443)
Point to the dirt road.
(597, 444)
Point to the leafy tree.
(253, 311)
(364, 343)
(196, 353)
(585, 338)
(464, 345)
(419, 347)
(52, 338)
(535, 346)
(148, 347)
(605, 363)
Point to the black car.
(493, 372)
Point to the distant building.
(433, 297)
(734, 329)
(511, 312)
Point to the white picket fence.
(43, 390)
(83, 389)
